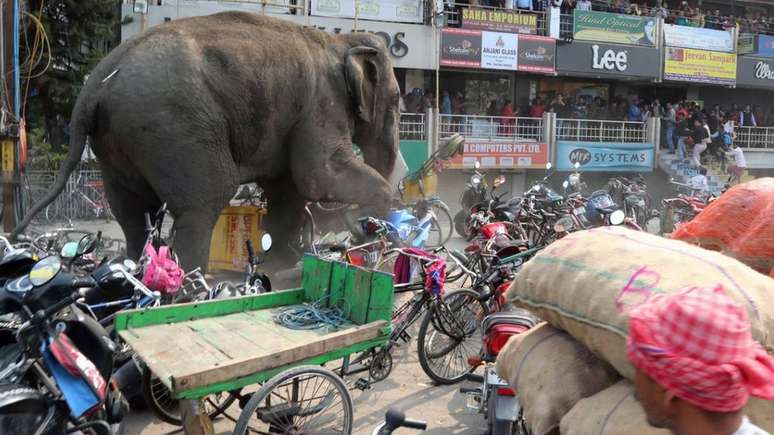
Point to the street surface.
(407, 388)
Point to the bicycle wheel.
(436, 234)
(450, 333)
(167, 408)
(445, 221)
(302, 400)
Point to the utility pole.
(11, 102)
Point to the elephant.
(185, 112)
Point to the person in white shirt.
(736, 170)
(583, 5)
(699, 182)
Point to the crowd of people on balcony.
(680, 12)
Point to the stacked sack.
(739, 224)
(582, 286)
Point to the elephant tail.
(80, 125)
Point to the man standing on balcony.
(583, 5)
(670, 122)
(747, 118)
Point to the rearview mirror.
(577, 165)
(549, 166)
(566, 184)
(69, 250)
(477, 165)
(266, 242)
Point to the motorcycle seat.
(516, 317)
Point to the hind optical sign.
(605, 157)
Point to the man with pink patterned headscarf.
(697, 363)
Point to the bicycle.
(86, 199)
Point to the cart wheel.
(303, 400)
(381, 365)
(167, 408)
(450, 334)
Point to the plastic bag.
(739, 224)
(162, 273)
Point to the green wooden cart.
(198, 349)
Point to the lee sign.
(609, 59)
(605, 157)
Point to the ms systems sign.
(605, 156)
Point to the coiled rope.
(308, 316)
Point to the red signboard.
(502, 155)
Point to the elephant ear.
(363, 76)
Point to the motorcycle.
(494, 210)
(634, 197)
(475, 193)
(495, 398)
(59, 360)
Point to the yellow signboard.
(700, 66)
(8, 165)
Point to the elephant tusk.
(110, 76)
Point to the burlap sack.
(551, 371)
(585, 282)
(613, 411)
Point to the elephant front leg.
(283, 221)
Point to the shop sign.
(461, 48)
(746, 43)
(699, 66)
(700, 39)
(499, 20)
(608, 59)
(537, 54)
(755, 72)
(605, 156)
(403, 11)
(765, 46)
(498, 50)
(615, 28)
(502, 155)
(494, 50)
(409, 45)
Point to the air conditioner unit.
(141, 7)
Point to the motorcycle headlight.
(475, 180)
(617, 217)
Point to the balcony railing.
(412, 126)
(601, 131)
(755, 137)
(492, 127)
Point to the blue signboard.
(605, 156)
(766, 45)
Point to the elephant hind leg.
(129, 203)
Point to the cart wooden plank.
(202, 352)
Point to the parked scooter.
(59, 361)
(475, 193)
(495, 398)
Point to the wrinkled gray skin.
(184, 113)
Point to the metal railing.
(71, 203)
(601, 131)
(453, 12)
(492, 127)
(755, 137)
(413, 126)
